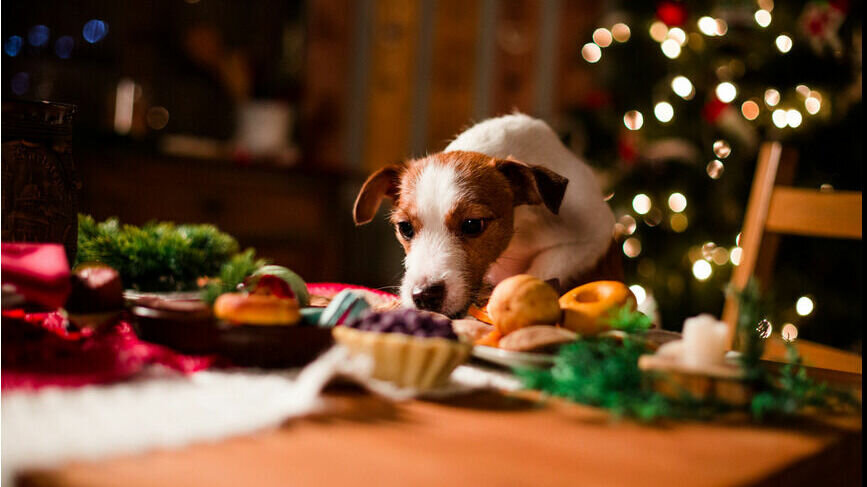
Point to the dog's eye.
(405, 229)
(473, 227)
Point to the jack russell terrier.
(505, 197)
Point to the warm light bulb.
(664, 111)
(804, 306)
(591, 52)
(702, 270)
(678, 35)
(789, 332)
(813, 105)
(735, 255)
(784, 43)
(677, 202)
(793, 117)
(682, 87)
(772, 97)
(763, 18)
(602, 37)
(671, 48)
(632, 247)
(621, 32)
(726, 92)
(633, 119)
(707, 26)
(780, 118)
(750, 110)
(641, 203)
(658, 31)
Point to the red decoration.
(714, 108)
(672, 14)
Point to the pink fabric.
(49, 355)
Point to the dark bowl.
(191, 328)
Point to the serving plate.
(183, 322)
(508, 358)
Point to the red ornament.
(672, 14)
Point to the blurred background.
(264, 118)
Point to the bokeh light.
(750, 110)
(632, 247)
(702, 270)
(735, 255)
(721, 27)
(633, 119)
(38, 35)
(719, 256)
(812, 105)
(679, 222)
(63, 47)
(715, 169)
(763, 18)
(678, 35)
(772, 97)
(591, 52)
(621, 32)
(789, 332)
(682, 87)
(722, 149)
(658, 31)
(602, 37)
(671, 48)
(20, 83)
(13, 45)
(780, 118)
(628, 223)
(641, 204)
(804, 306)
(793, 117)
(157, 117)
(784, 43)
(663, 111)
(94, 30)
(726, 92)
(707, 26)
(677, 202)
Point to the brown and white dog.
(505, 197)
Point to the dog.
(505, 197)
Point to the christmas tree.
(688, 90)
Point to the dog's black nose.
(430, 297)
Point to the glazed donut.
(257, 309)
(586, 308)
(523, 300)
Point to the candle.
(704, 341)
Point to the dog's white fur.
(436, 255)
(545, 245)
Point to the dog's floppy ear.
(381, 184)
(533, 185)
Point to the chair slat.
(800, 211)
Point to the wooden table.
(491, 439)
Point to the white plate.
(508, 358)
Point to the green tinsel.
(604, 372)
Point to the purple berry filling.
(407, 321)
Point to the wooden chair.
(792, 211)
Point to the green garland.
(604, 372)
(158, 256)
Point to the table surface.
(490, 439)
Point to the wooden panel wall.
(525, 51)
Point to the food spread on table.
(190, 289)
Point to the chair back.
(790, 211)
